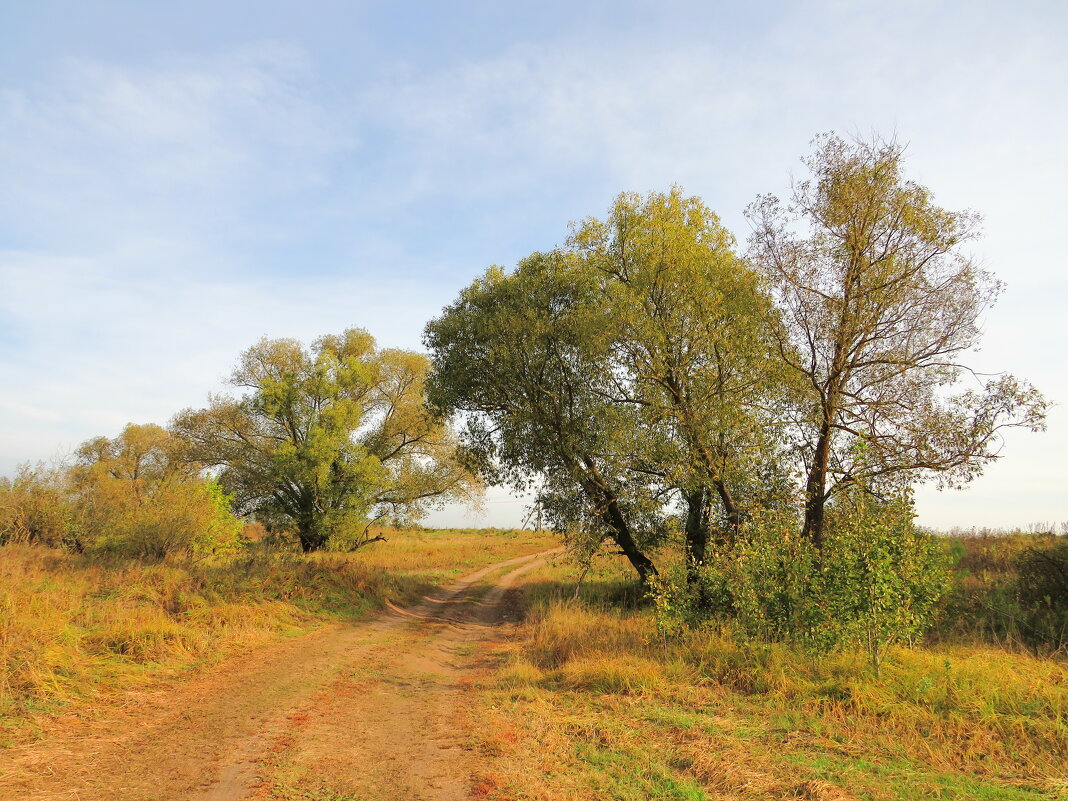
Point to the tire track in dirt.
(368, 706)
(393, 727)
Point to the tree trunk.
(696, 531)
(730, 509)
(617, 524)
(816, 489)
(311, 535)
(612, 516)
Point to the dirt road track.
(368, 711)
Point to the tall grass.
(74, 626)
(599, 691)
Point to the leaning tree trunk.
(625, 540)
(607, 504)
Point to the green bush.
(877, 581)
(129, 496)
(1042, 590)
(881, 577)
(1009, 589)
(186, 517)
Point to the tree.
(691, 350)
(879, 303)
(525, 356)
(133, 495)
(327, 440)
(629, 370)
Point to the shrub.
(882, 577)
(1010, 589)
(189, 517)
(876, 582)
(1042, 589)
(135, 496)
(34, 508)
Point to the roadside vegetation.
(598, 699)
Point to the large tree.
(525, 356)
(630, 370)
(879, 303)
(327, 440)
(692, 350)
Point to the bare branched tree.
(879, 303)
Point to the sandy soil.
(363, 711)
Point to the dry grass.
(436, 555)
(72, 628)
(594, 703)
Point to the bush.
(882, 578)
(877, 581)
(179, 517)
(1042, 589)
(1010, 589)
(35, 509)
(129, 496)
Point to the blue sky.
(180, 179)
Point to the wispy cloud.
(186, 147)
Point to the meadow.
(76, 628)
(595, 696)
(596, 700)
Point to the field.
(594, 701)
(73, 628)
(586, 696)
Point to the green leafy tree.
(882, 576)
(629, 371)
(328, 440)
(878, 304)
(526, 358)
(691, 350)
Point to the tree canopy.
(624, 373)
(328, 439)
(647, 379)
(879, 302)
(526, 356)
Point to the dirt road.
(362, 711)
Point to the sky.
(180, 179)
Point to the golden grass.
(73, 627)
(435, 555)
(594, 702)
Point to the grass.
(74, 628)
(433, 556)
(594, 702)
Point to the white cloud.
(103, 152)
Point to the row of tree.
(320, 443)
(649, 381)
(646, 379)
